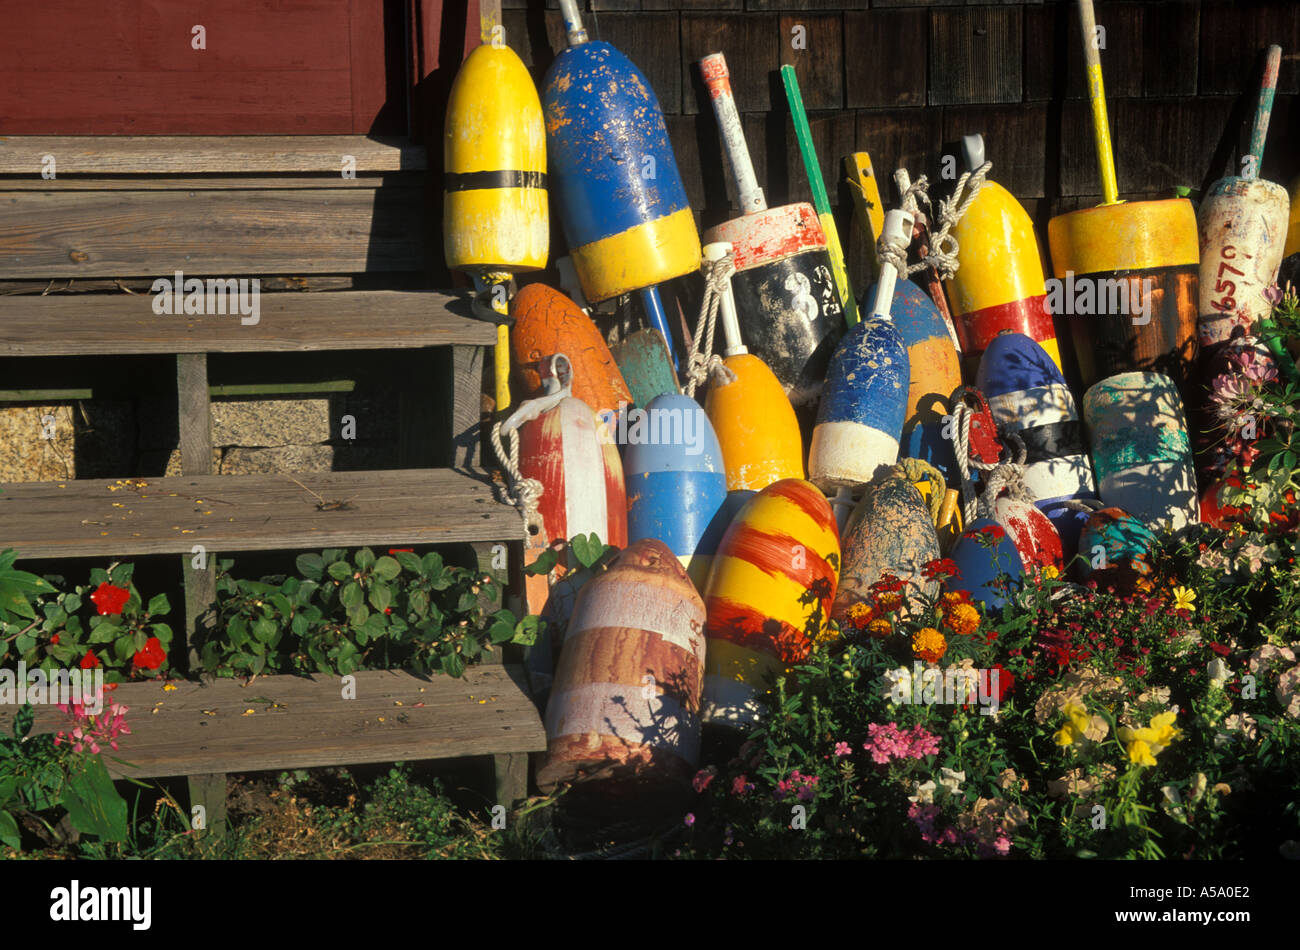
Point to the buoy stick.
(726, 304)
(866, 201)
(718, 80)
(1258, 132)
(803, 133)
(898, 233)
(496, 286)
(573, 27)
(654, 310)
(1097, 96)
(489, 19)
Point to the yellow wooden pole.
(866, 202)
(1097, 96)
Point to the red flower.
(1005, 680)
(940, 567)
(993, 531)
(888, 583)
(89, 661)
(401, 550)
(151, 657)
(54, 640)
(1219, 648)
(110, 599)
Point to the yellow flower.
(1163, 725)
(1050, 572)
(1183, 598)
(1066, 735)
(880, 627)
(1140, 753)
(859, 615)
(1078, 717)
(928, 644)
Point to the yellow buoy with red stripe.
(1000, 284)
(768, 596)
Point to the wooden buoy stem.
(489, 18)
(718, 80)
(898, 232)
(573, 27)
(726, 304)
(803, 133)
(1259, 131)
(1097, 96)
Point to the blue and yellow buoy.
(620, 197)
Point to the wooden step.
(227, 513)
(298, 722)
(74, 325)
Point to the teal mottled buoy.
(1140, 448)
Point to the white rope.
(523, 493)
(962, 415)
(1007, 477)
(702, 362)
(942, 257)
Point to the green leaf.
(453, 665)
(544, 564)
(358, 615)
(381, 596)
(104, 631)
(387, 568)
(351, 595)
(94, 805)
(23, 721)
(158, 605)
(9, 831)
(311, 566)
(501, 632)
(120, 576)
(527, 630)
(340, 570)
(409, 562)
(365, 559)
(299, 625)
(433, 564)
(264, 630)
(587, 549)
(419, 602)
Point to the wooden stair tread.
(252, 513)
(201, 728)
(76, 325)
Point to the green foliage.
(60, 629)
(39, 778)
(343, 614)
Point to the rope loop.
(702, 363)
(942, 257)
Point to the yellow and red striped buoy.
(626, 701)
(769, 594)
(1000, 284)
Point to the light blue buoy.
(676, 484)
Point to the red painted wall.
(107, 67)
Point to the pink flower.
(689, 820)
(887, 742)
(703, 777)
(741, 785)
(843, 748)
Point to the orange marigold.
(880, 627)
(962, 619)
(859, 615)
(951, 598)
(928, 644)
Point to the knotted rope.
(962, 415)
(702, 362)
(1008, 476)
(917, 469)
(942, 257)
(523, 493)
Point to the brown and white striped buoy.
(625, 705)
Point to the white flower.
(898, 683)
(952, 780)
(1198, 786)
(924, 793)
(1218, 671)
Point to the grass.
(324, 814)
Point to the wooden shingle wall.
(905, 79)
